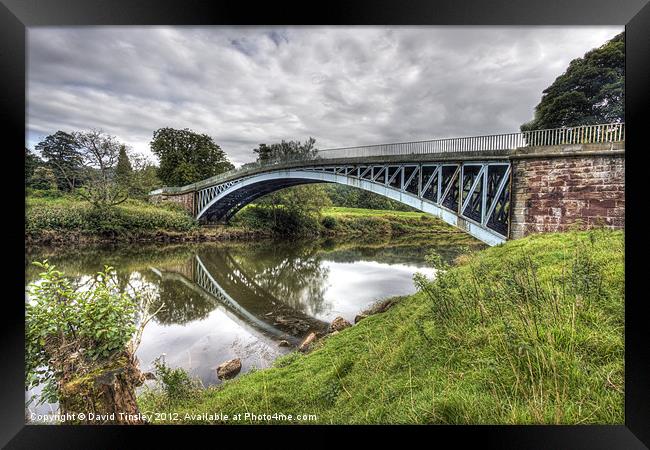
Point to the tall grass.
(527, 332)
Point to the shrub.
(176, 383)
(44, 193)
(329, 222)
(280, 220)
(59, 321)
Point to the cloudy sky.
(247, 85)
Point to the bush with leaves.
(92, 324)
(176, 382)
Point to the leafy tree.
(62, 154)
(287, 150)
(294, 210)
(100, 154)
(186, 157)
(43, 179)
(145, 176)
(61, 321)
(291, 211)
(123, 170)
(78, 339)
(32, 161)
(591, 91)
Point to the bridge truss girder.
(472, 195)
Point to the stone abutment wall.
(565, 187)
(185, 200)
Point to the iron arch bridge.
(471, 195)
(466, 182)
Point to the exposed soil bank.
(200, 234)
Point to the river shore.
(539, 321)
(65, 221)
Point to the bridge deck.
(492, 147)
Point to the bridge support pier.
(556, 188)
(186, 200)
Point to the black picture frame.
(16, 15)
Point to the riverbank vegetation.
(89, 187)
(59, 219)
(55, 218)
(526, 332)
(81, 343)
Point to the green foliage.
(32, 161)
(43, 179)
(100, 154)
(351, 197)
(186, 157)
(329, 222)
(132, 216)
(123, 170)
(287, 150)
(591, 91)
(61, 151)
(144, 177)
(375, 222)
(99, 321)
(529, 332)
(177, 385)
(44, 193)
(291, 211)
(278, 219)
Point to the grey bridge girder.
(471, 195)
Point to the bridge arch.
(466, 195)
(445, 177)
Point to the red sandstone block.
(616, 212)
(602, 203)
(593, 212)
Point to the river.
(240, 299)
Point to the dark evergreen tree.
(123, 170)
(591, 91)
(32, 161)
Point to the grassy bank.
(61, 220)
(357, 221)
(339, 221)
(527, 332)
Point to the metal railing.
(586, 134)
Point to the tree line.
(104, 171)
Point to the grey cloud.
(248, 85)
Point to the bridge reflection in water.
(226, 284)
(284, 290)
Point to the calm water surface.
(238, 300)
